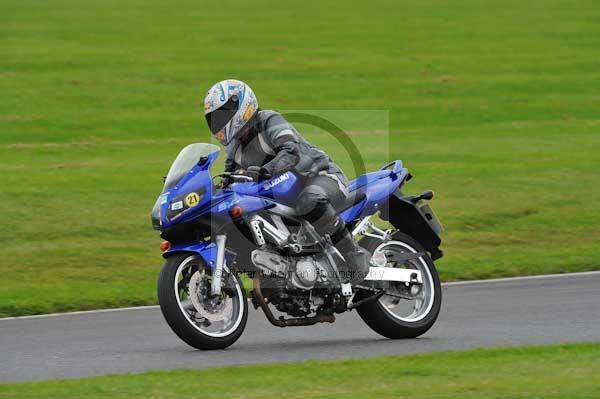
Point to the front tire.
(380, 316)
(192, 320)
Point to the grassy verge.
(493, 104)
(564, 371)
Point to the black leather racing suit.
(275, 146)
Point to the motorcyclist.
(263, 144)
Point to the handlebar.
(233, 178)
(241, 178)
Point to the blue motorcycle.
(217, 232)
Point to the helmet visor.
(220, 117)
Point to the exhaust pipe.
(283, 322)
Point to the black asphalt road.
(482, 314)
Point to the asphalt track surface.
(539, 310)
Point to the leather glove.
(226, 180)
(257, 173)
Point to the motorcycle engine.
(295, 285)
(302, 272)
(305, 273)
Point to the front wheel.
(198, 318)
(415, 308)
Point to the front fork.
(215, 287)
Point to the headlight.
(155, 214)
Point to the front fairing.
(188, 186)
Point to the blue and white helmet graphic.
(229, 105)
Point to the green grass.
(566, 371)
(493, 104)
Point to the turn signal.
(236, 212)
(165, 245)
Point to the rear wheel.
(414, 308)
(198, 318)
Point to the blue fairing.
(378, 187)
(197, 180)
(207, 250)
(193, 196)
(283, 188)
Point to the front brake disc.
(211, 308)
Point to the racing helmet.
(229, 107)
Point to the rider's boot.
(357, 258)
(326, 221)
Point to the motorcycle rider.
(262, 144)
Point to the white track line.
(521, 278)
(452, 283)
(80, 312)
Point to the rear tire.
(182, 324)
(383, 321)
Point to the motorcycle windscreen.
(185, 161)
